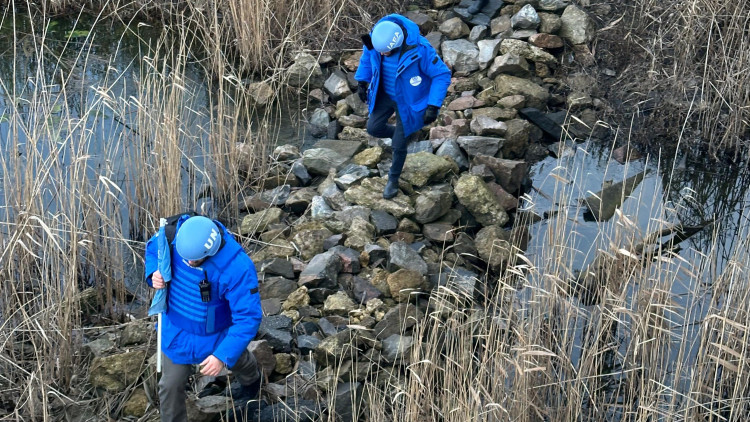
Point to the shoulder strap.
(171, 228)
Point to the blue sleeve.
(241, 291)
(364, 71)
(152, 259)
(434, 67)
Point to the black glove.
(362, 91)
(431, 114)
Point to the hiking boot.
(214, 388)
(391, 188)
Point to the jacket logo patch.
(415, 81)
(434, 61)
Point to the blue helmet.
(387, 36)
(197, 238)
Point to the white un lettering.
(210, 241)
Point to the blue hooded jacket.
(192, 329)
(422, 77)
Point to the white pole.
(158, 344)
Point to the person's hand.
(362, 91)
(211, 366)
(431, 114)
(157, 281)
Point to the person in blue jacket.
(400, 71)
(213, 311)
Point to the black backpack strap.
(170, 230)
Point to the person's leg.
(377, 124)
(246, 371)
(172, 390)
(398, 144)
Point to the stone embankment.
(345, 274)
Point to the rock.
(370, 194)
(276, 288)
(375, 253)
(305, 71)
(484, 126)
(320, 210)
(294, 409)
(286, 153)
(552, 5)
(461, 55)
(547, 41)
(359, 234)
(419, 146)
(348, 214)
(535, 95)
(423, 167)
(277, 266)
(454, 28)
(440, 233)
(402, 256)
(527, 51)
(322, 271)
(369, 157)
(276, 248)
(318, 122)
(334, 349)
(479, 32)
(463, 103)
(508, 173)
(333, 196)
(578, 101)
(348, 401)
(399, 320)
(310, 242)
(320, 160)
(349, 259)
(540, 119)
(460, 281)
(299, 171)
(351, 175)
(432, 205)
(276, 331)
(396, 347)
(516, 138)
(364, 291)
(284, 363)
(261, 93)
(352, 120)
(115, 373)
(138, 332)
(526, 18)
(344, 148)
(423, 21)
(500, 25)
(451, 150)
(474, 145)
(136, 405)
(383, 222)
(351, 62)
(258, 222)
(100, 347)
(297, 299)
(403, 282)
(359, 107)
(473, 193)
(506, 200)
(550, 23)
(625, 154)
(442, 4)
(436, 39)
(510, 64)
(337, 86)
(307, 344)
(562, 150)
(493, 245)
(576, 26)
(342, 109)
(488, 50)
(482, 171)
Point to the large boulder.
(577, 26)
(424, 167)
(369, 194)
(305, 71)
(474, 194)
(461, 55)
(320, 160)
(536, 96)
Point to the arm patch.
(435, 60)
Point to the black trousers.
(378, 126)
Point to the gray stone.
(351, 175)
(337, 86)
(346, 149)
(577, 26)
(419, 146)
(348, 214)
(484, 126)
(526, 18)
(525, 34)
(261, 92)
(369, 194)
(552, 5)
(270, 306)
(500, 25)
(479, 32)
(472, 192)
(310, 241)
(294, 409)
(432, 205)
(375, 253)
(332, 194)
(322, 271)
(493, 245)
(550, 23)
(306, 344)
(510, 64)
(349, 259)
(353, 120)
(383, 222)
(278, 266)
(263, 355)
(300, 171)
(474, 145)
(339, 304)
(333, 241)
(359, 234)
(423, 21)
(358, 106)
(320, 209)
(454, 28)
(258, 222)
(399, 320)
(488, 50)
(276, 288)
(450, 149)
(508, 173)
(459, 280)
(436, 39)
(116, 372)
(348, 401)
(279, 340)
(536, 96)
(276, 196)
(100, 347)
(396, 347)
(319, 120)
(527, 51)
(439, 233)
(286, 152)
(461, 55)
(305, 71)
(402, 256)
(363, 290)
(320, 160)
(516, 138)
